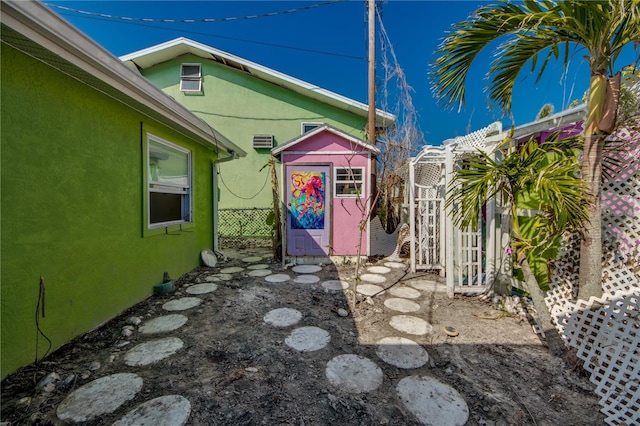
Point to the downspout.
(214, 196)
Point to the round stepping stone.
(153, 351)
(335, 285)
(163, 324)
(373, 278)
(182, 304)
(401, 352)
(231, 270)
(406, 292)
(395, 265)
(369, 289)
(277, 278)
(259, 272)
(99, 397)
(379, 269)
(432, 402)
(166, 410)
(258, 266)
(212, 279)
(353, 373)
(424, 285)
(251, 259)
(401, 305)
(308, 339)
(306, 279)
(201, 288)
(219, 277)
(306, 269)
(410, 325)
(209, 258)
(282, 317)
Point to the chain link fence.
(244, 228)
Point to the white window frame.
(190, 78)
(350, 174)
(184, 187)
(311, 124)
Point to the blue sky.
(327, 46)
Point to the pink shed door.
(308, 191)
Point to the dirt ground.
(237, 370)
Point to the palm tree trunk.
(554, 341)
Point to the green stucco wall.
(239, 106)
(72, 192)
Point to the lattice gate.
(466, 256)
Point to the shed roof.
(325, 128)
(32, 28)
(163, 52)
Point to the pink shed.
(325, 191)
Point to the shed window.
(348, 182)
(190, 78)
(306, 127)
(169, 186)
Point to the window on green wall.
(190, 78)
(307, 126)
(169, 183)
(348, 182)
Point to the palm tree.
(543, 29)
(547, 172)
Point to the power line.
(281, 46)
(191, 21)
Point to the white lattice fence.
(606, 332)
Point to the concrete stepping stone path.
(168, 410)
(432, 402)
(277, 278)
(373, 278)
(379, 269)
(426, 285)
(395, 265)
(258, 266)
(163, 324)
(101, 396)
(231, 270)
(306, 279)
(369, 289)
(401, 305)
(405, 292)
(306, 269)
(219, 277)
(353, 373)
(410, 325)
(335, 285)
(153, 351)
(401, 352)
(182, 304)
(308, 339)
(201, 288)
(252, 259)
(259, 272)
(283, 317)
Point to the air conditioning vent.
(263, 141)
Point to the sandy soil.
(237, 370)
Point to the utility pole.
(372, 98)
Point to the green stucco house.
(257, 107)
(106, 183)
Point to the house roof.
(32, 28)
(163, 52)
(325, 128)
(551, 122)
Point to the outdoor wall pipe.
(214, 182)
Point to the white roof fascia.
(40, 24)
(567, 116)
(372, 148)
(260, 71)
